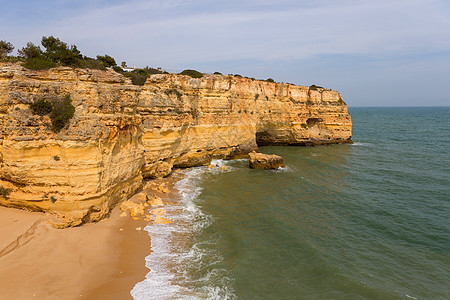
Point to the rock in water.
(155, 200)
(265, 161)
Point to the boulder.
(154, 200)
(133, 208)
(265, 161)
(157, 170)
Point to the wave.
(176, 257)
(286, 169)
(361, 144)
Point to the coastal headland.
(118, 139)
(121, 133)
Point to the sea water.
(362, 221)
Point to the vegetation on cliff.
(138, 76)
(4, 192)
(41, 107)
(5, 48)
(192, 73)
(60, 111)
(314, 87)
(54, 53)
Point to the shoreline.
(93, 261)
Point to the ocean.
(363, 221)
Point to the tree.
(107, 60)
(5, 48)
(57, 51)
(30, 51)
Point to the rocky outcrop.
(121, 133)
(265, 161)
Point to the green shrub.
(237, 75)
(5, 48)
(59, 52)
(38, 64)
(62, 112)
(141, 72)
(89, 63)
(315, 87)
(31, 51)
(107, 60)
(118, 69)
(174, 91)
(11, 59)
(154, 71)
(341, 102)
(41, 107)
(138, 79)
(5, 192)
(217, 73)
(270, 80)
(192, 73)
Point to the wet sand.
(94, 261)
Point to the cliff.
(121, 133)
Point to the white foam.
(285, 169)
(173, 255)
(360, 144)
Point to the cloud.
(210, 30)
(336, 42)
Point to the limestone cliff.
(121, 133)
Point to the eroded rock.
(154, 200)
(121, 132)
(135, 209)
(265, 161)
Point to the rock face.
(265, 161)
(121, 133)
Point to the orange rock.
(161, 220)
(149, 135)
(135, 209)
(265, 161)
(163, 189)
(155, 200)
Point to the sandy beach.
(94, 261)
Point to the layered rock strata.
(121, 133)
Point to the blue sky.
(376, 53)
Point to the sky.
(375, 53)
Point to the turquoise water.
(362, 221)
